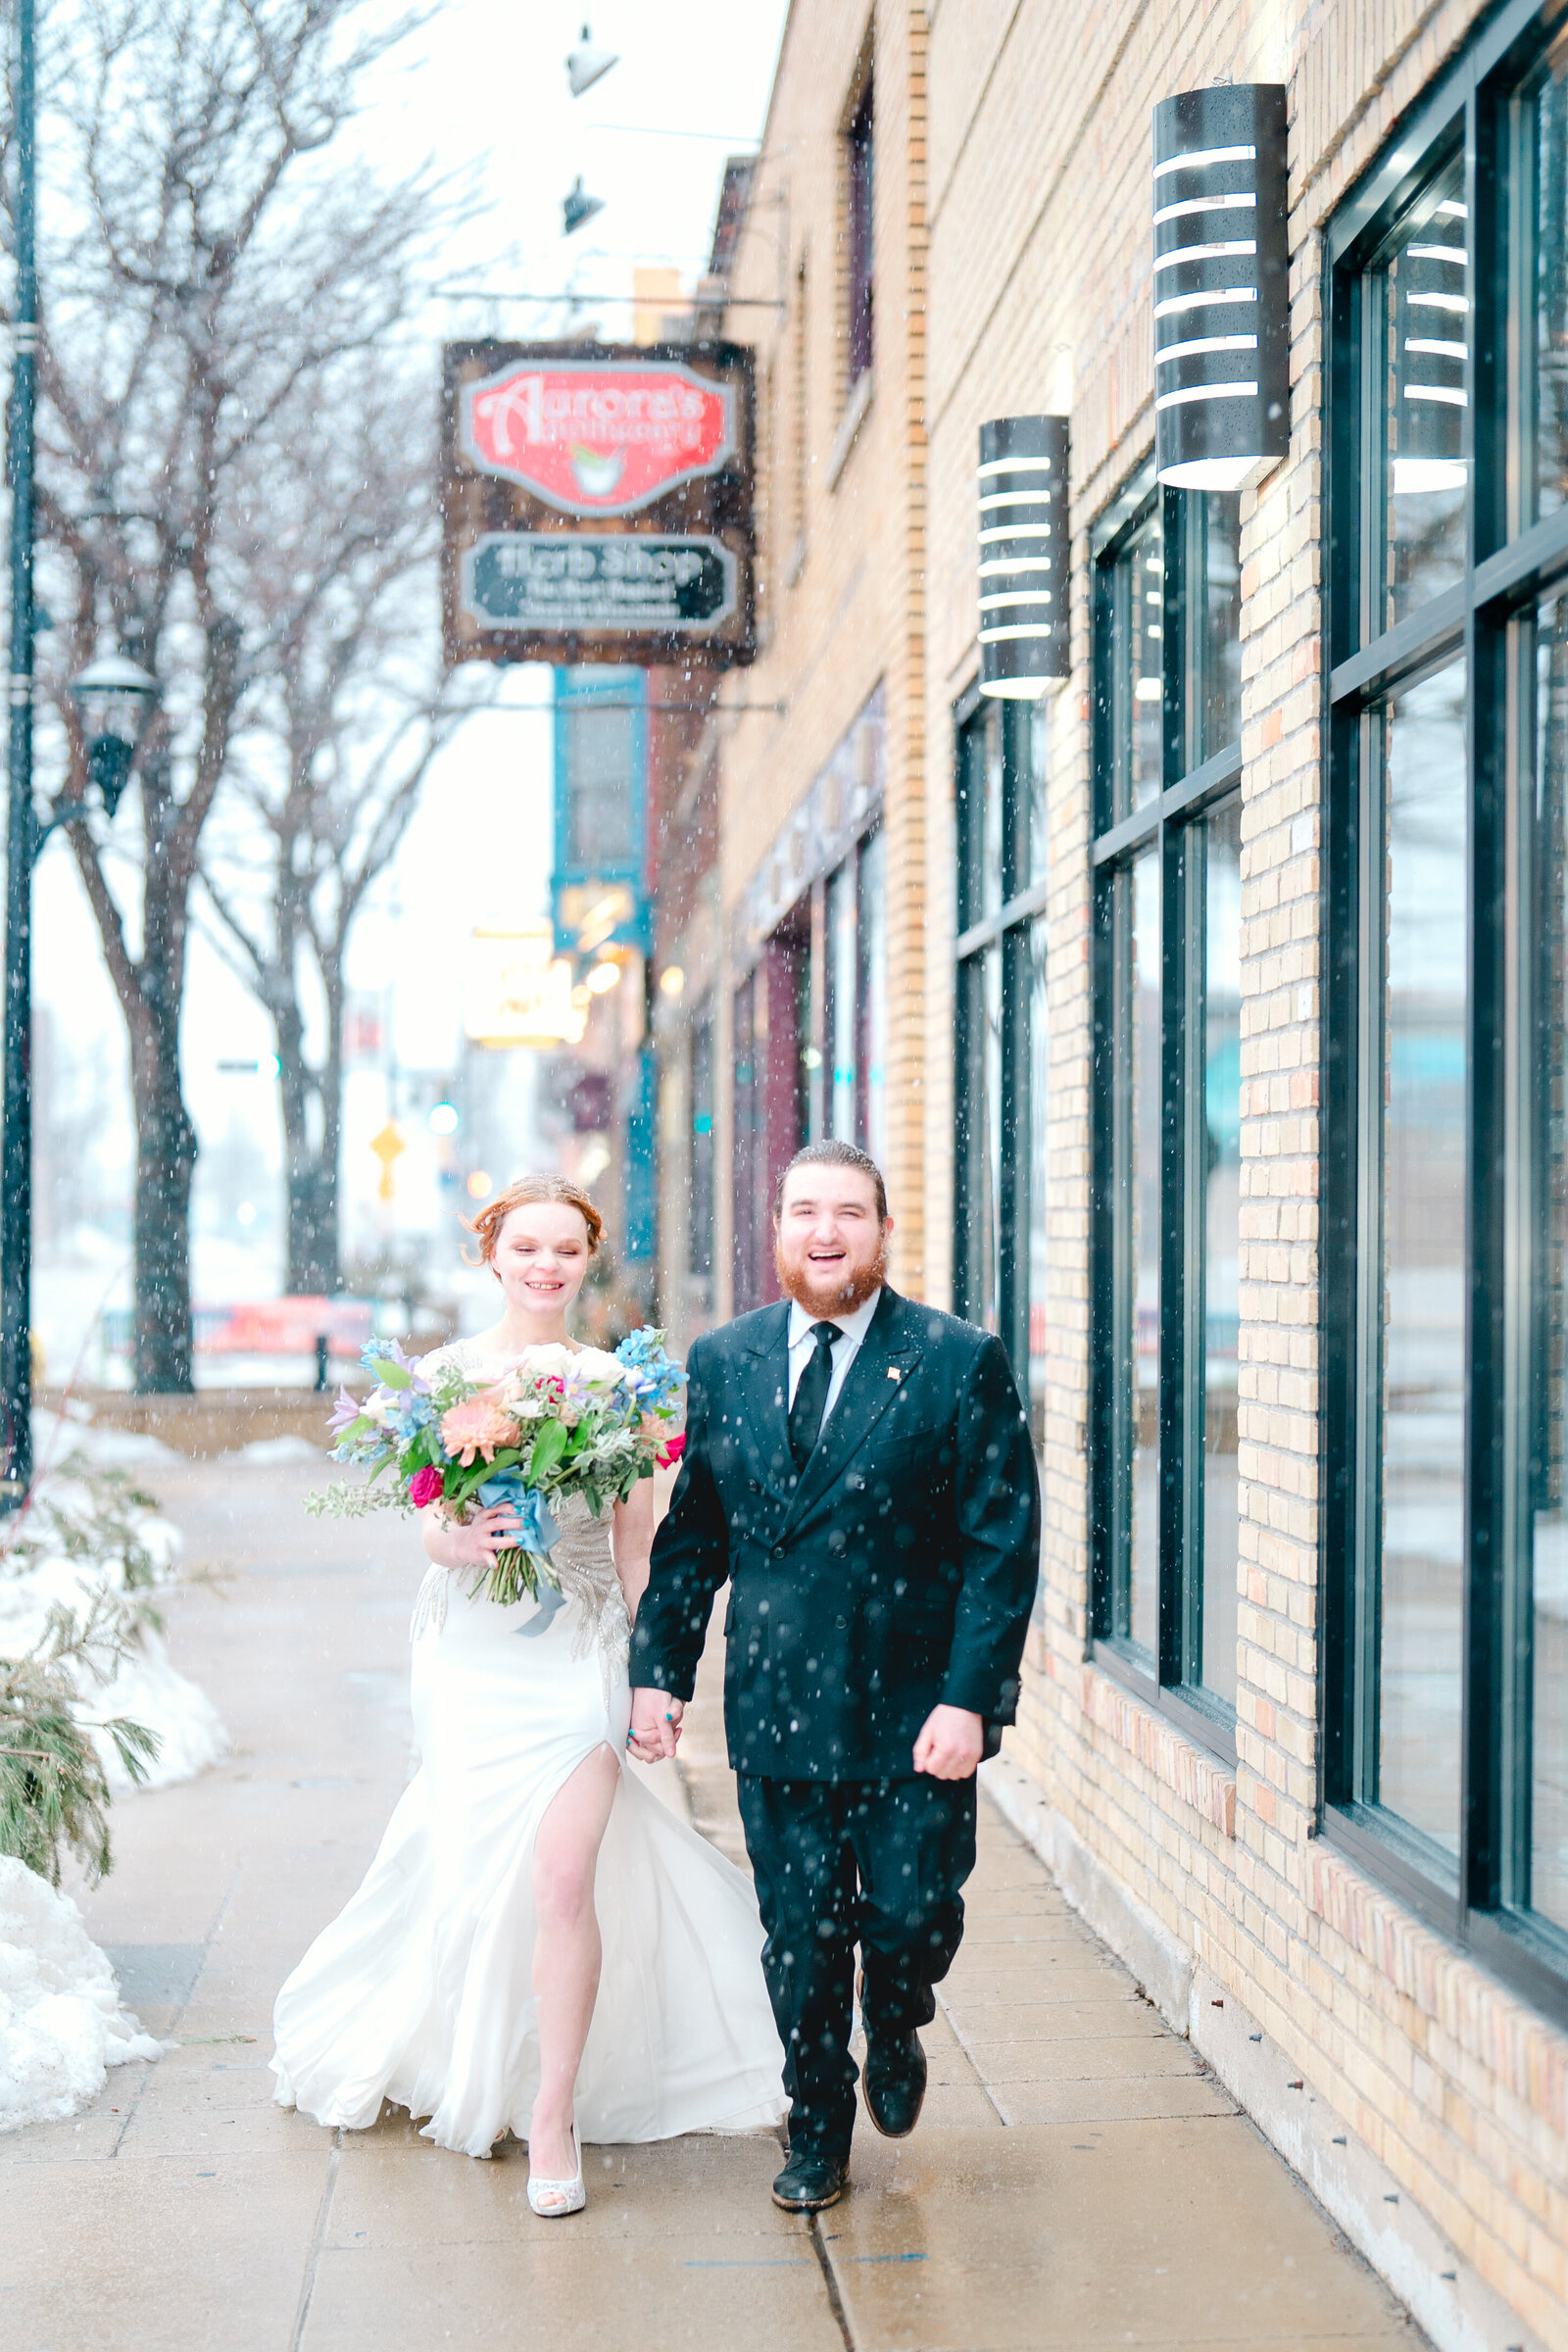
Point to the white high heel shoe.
(553, 2200)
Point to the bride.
(539, 1945)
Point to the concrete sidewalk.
(1078, 2178)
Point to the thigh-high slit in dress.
(420, 1990)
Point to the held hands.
(950, 1744)
(472, 1543)
(656, 1720)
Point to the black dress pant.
(877, 1863)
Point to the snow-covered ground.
(61, 2026)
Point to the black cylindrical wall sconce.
(1023, 554)
(1222, 324)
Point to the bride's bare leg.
(566, 1951)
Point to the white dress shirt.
(852, 1330)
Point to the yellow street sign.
(388, 1146)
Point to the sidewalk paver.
(1078, 2178)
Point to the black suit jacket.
(899, 1569)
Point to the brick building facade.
(1197, 1002)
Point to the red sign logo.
(598, 437)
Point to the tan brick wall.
(842, 609)
(1040, 298)
(1012, 261)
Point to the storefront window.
(811, 1046)
(1548, 211)
(1000, 772)
(843, 977)
(1444, 1210)
(874, 995)
(1167, 1157)
(1211, 1642)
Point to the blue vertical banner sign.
(642, 1162)
(599, 888)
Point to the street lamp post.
(15, 1149)
(113, 695)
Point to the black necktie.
(811, 1397)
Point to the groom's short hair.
(831, 1152)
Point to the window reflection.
(843, 957)
(1551, 240)
(1427, 313)
(1544, 1700)
(1222, 1136)
(1425, 1011)
(1039, 1254)
(873, 950)
(1223, 623)
(1137, 1176)
(1144, 681)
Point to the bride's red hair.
(525, 1193)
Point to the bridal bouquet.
(559, 1421)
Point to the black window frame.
(1004, 932)
(1507, 571)
(1170, 824)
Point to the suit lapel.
(870, 1388)
(766, 1383)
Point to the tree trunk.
(166, 1161)
(315, 1244)
(314, 1266)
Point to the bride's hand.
(472, 1543)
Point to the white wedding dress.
(420, 1992)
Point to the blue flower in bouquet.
(538, 1531)
(408, 1411)
(654, 1377)
(386, 1357)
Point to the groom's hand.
(656, 1720)
(950, 1744)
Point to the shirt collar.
(854, 1326)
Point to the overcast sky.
(482, 90)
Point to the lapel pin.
(894, 1373)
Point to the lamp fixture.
(1024, 553)
(586, 64)
(1222, 373)
(114, 695)
(577, 206)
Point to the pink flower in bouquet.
(673, 1450)
(425, 1486)
(475, 1427)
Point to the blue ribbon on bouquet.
(538, 1531)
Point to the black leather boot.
(810, 2183)
(894, 2082)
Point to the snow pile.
(281, 1450)
(60, 2021)
(87, 1532)
(54, 1436)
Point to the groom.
(859, 1468)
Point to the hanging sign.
(543, 444)
(599, 580)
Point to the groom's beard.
(841, 1293)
